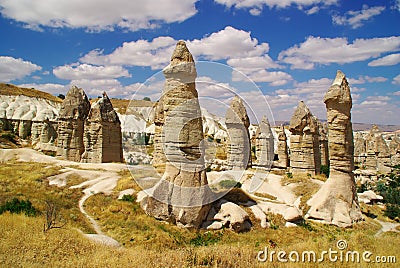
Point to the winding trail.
(387, 227)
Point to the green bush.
(128, 198)
(228, 184)
(325, 170)
(389, 187)
(17, 206)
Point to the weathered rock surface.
(377, 151)
(304, 142)
(233, 217)
(102, 136)
(283, 156)
(369, 197)
(360, 150)
(182, 195)
(74, 110)
(394, 148)
(237, 123)
(323, 143)
(336, 201)
(264, 144)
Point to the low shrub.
(17, 206)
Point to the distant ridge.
(8, 89)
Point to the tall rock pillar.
(304, 142)
(103, 136)
(182, 195)
(74, 110)
(264, 144)
(283, 155)
(237, 123)
(336, 202)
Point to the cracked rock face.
(283, 156)
(336, 202)
(377, 151)
(102, 136)
(264, 144)
(74, 110)
(182, 195)
(237, 124)
(304, 142)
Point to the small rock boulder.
(234, 217)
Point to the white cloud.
(95, 16)
(364, 79)
(94, 88)
(356, 18)
(397, 93)
(241, 51)
(300, 4)
(396, 80)
(86, 71)
(388, 60)
(226, 44)
(54, 89)
(12, 68)
(273, 78)
(317, 50)
(155, 53)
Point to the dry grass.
(8, 89)
(151, 243)
(29, 181)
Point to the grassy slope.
(8, 89)
(148, 242)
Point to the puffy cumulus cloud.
(317, 50)
(388, 60)
(89, 72)
(94, 88)
(397, 93)
(155, 53)
(258, 4)
(51, 88)
(12, 68)
(226, 44)
(377, 110)
(396, 80)
(96, 16)
(272, 77)
(241, 51)
(355, 19)
(366, 79)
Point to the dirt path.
(387, 227)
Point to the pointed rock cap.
(237, 113)
(75, 105)
(103, 110)
(282, 135)
(264, 128)
(181, 66)
(303, 120)
(339, 92)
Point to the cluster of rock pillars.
(92, 133)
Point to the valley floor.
(86, 196)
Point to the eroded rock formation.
(102, 136)
(264, 144)
(394, 148)
(323, 143)
(74, 110)
(359, 150)
(237, 124)
(182, 195)
(283, 156)
(377, 151)
(304, 142)
(336, 202)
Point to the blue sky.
(273, 53)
